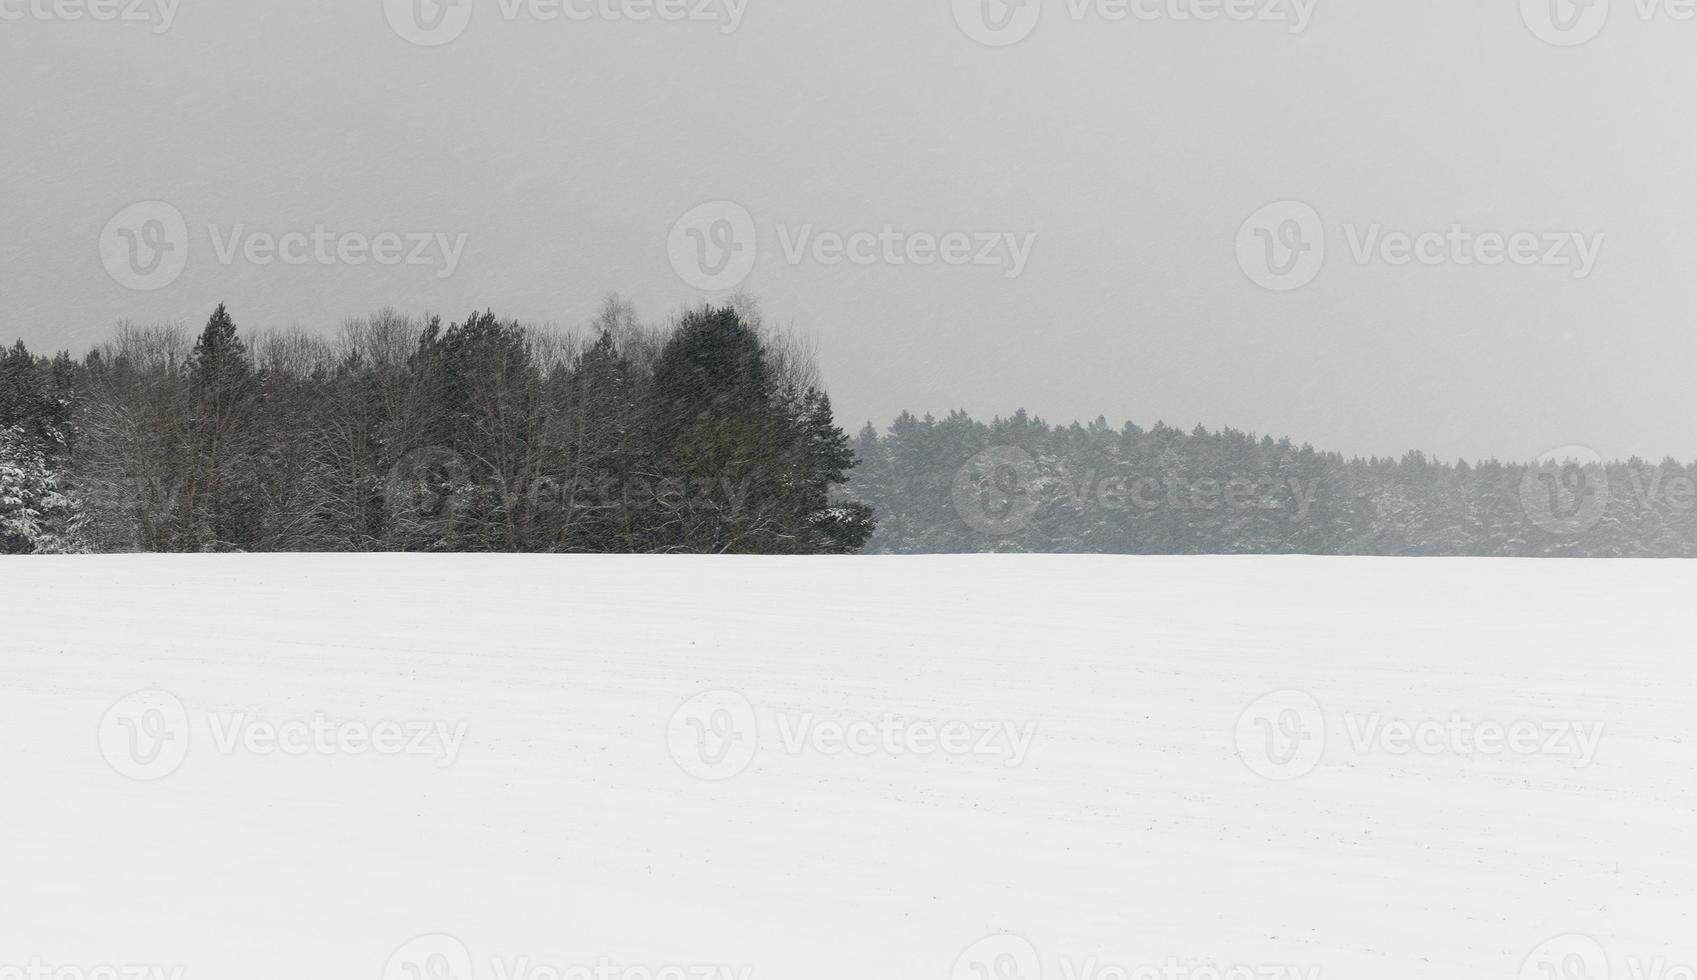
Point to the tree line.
(710, 434)
(1018, 484)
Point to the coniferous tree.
(38, 513)
(219, 508)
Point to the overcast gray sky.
(1066, 203)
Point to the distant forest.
(1020, 485)
(710, 434)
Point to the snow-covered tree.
(37, 515)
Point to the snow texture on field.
(599, 813)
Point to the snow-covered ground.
(513, 768)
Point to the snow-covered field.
(510, 768)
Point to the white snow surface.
(566, 833)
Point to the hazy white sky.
(1124, 154)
